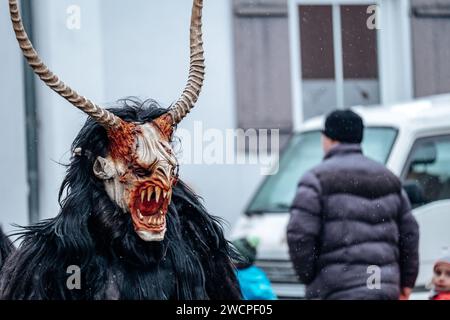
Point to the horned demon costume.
(132, 228)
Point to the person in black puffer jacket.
(351, 233)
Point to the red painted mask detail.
(147, 167)
(122, 141)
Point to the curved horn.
(197, 69)
(102, 116)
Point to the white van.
(411, 139)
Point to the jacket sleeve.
(304, 227)
(409, 244)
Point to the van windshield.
(304, 152)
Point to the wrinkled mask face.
(139, 173)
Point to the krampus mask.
(140, 168)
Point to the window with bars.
(339, 57)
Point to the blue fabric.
(255, 285)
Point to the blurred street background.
(271, 64)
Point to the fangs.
(141, 217)
(149, 193)
(156, 220)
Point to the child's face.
(441, 277)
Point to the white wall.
(139, 49)
(13, 181)
(76, 57)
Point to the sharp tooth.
(142, 196)
(150, 220)
(170, 196)
(149, 193)
(158, 193)
(164, 194)
(141, 217)
(159, 220)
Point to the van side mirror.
(415, 192)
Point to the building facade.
(271, 64)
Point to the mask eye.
(141, 172)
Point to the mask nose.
(163, 173)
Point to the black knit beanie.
(344, 126)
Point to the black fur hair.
(93, 233)
(6, 247)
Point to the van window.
(428, 170)
(303, 152)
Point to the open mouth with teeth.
(149, 208)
